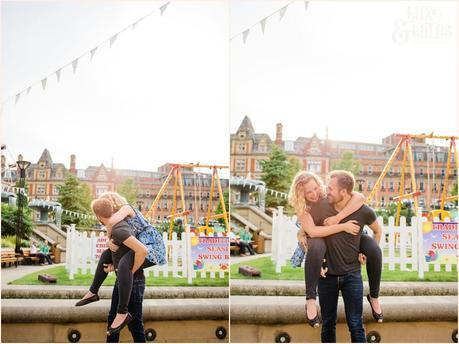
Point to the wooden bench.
(28, 259)
(235, 249)
(9, 257)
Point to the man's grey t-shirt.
(342, 248)
(120, 232)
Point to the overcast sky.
(365, 69)
(173, 88)
(160, 94)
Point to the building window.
(190, 206)
(240, 165)
(370, 169)
(147, 193)
(41, 174)
(391, 186)
(41, 189)
(56, 189)
(442, 172)
(421, 172)
(190, 194)
(421, 186)
(383, 201)
(314, 166)
(241, 148)
(165, 205)
(391, 171)
(258, 167)
(369, 187)
(455, 173)
(100, 190)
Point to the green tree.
(348, 163)
(219, 209)
(10, 221)
(129, 190)
(277, 172)
(75, 196)
(391, 210)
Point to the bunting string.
(74, 63)
(262, 23)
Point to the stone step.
(290, 309)
(297, 288)
(76, 292)
(64, 311)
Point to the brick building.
(249, 148)
(44, 177)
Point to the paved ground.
(238, 259)
(12, 273)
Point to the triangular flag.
(28, 89)
(306, 4)
(93, 51)
(74, 65)
(163, 7)
(282, 12)
(113, 39)
(244, 35)
(43, 83)
(263, 25)
(58, 74)
(17, 97)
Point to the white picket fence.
(82, 256)
(401, 246)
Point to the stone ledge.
(64, 311)
(297, 288)
(76, 292)
(290, 309)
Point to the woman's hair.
(296, 194)
(117, 200)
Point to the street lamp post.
(22, 165)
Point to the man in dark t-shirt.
(342, 260)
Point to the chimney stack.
(279, 134)
(72, 163)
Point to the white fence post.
(420, 238)
(279, 241)
(188, 262)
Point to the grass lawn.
(267, 269)
(85, 280)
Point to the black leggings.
(316, 254)
(124, 275)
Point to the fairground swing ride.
(178, 194)
(405, 144)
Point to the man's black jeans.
(134, 308)
(351, 287)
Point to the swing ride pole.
(386, 168)
(151, 212)
(182, 197)
(174, 206)
(222, 201)
(413, 175)
(402, 186)
(209, 208)
(445, 184)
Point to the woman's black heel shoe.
(312, 322)
(112, 331)
(378, 316)
(88, 300)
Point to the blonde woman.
(306, 193)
